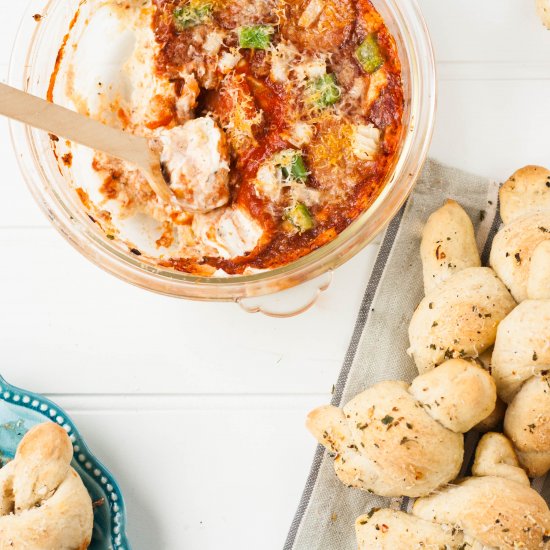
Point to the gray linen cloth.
(327, 511)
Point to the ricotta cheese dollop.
(230, 232)
(196, 158)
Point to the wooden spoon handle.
(70, 125)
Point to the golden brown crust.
(494, 511)
(448, 245)
(393, 530)
(458, 394)
(43, 502)
(521, 256)
(513, 249)
(459, 318)
(495, 456)
(536, 463)
(527, 424)
(543, 8)
(538, 281)
(386, 443)
(394, 439)
(526, 192)
(521, 347)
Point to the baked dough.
(495, 456)
(43, 502)
(524, 193)
(392, 530)
(538, 281)
(495, 509)
(543, 8)
(459, 318)
(394, 439)
(521, 358)
(513, 249)
(464, 303)
(525, 210)
(521, 347)
(448, 245)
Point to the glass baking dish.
(32, 63)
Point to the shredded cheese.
(282, 56)
(333, 142)
(300, 134)
(244, 114)
(270, 180)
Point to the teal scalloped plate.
(20, 410)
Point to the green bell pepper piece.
(298, 170)
(325, 91)
(300, 217)
(369, 55)
(256, 37)
(191, 15)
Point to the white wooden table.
(198, 409)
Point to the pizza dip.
(278, 123)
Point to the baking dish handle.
(290, 302)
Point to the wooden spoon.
(81, 129)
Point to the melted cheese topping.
(311, 69)
(270, 181)
(244, 114)
(282, 57)
(300, 134)
(228, 61)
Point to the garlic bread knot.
(495, 508)
(525, 211)
(521, 358)
(543, 9)
(396, 439)
(464, 303)
(43, 502)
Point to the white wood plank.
(492, 128)
(208, 479)
(97, 334)
(487, 30)
(498, 70)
